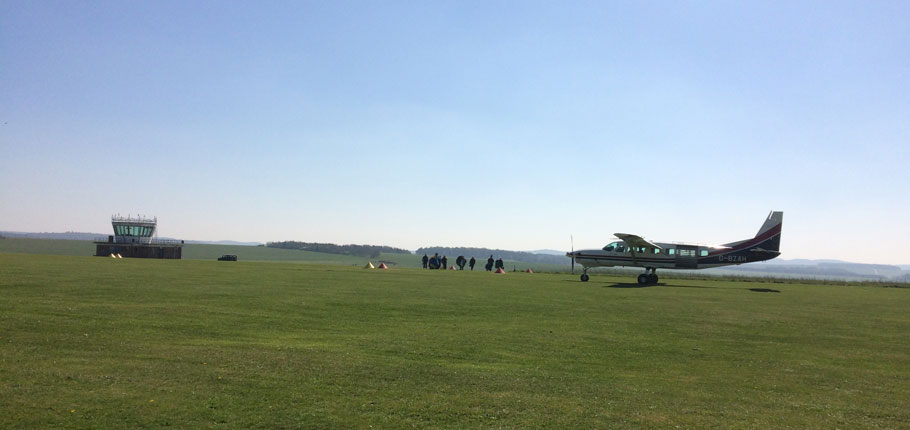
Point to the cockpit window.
(614, 247)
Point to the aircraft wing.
(635, 240)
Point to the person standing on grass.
(425, 260)
(489, 265)
(445, 263)
(500, 264)
(472, 263)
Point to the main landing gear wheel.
(649, 277)
(584, 277)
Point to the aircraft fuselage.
(633, 251)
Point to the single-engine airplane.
(635, 251)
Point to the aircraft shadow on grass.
(636, 285)
(663, 284)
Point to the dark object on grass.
(227, 257)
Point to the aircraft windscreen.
(615, 247)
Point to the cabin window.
(609, 247)
(620, 248)
(687, 253)
(671, 251)
(655, 250)
(703, 252)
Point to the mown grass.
(91, 342)
(47, 246)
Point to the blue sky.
(495, 124)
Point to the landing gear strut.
(584, 275)
(648, 278)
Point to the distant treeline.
(483, 253)
(369, 251)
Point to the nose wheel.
(648, 278)
(584, 276)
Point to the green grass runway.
(91, 342)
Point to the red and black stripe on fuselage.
(760, 248)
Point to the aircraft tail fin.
(768, 236)
(770, 231)
(774, 219)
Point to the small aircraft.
(635, 251)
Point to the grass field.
(89, 342)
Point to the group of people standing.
(437, 262)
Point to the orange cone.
(383, 266)
(529, 270)
(499, 270)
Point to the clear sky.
(494, 124)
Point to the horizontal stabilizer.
(733, 244)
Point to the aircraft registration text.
(733, 258)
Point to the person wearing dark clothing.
(460, 262)
(489, 265)
(445, 263)
(434, 262)
(500, 264)
(425, 260)
(472, 263)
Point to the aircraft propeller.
(572, 240)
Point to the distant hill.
(821, 269)
(371, 251)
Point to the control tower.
(134, 238)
